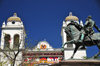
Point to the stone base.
(78, 63)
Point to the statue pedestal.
(78, 63)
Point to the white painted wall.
(80, 54)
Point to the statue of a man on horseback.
(89, 24)
(87, 30)
(83, 36)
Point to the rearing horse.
(74, 32)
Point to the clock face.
(43, 46)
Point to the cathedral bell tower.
(13, 33)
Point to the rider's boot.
(81, 38)
(81, 41)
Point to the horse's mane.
(78, 26)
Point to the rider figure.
(88, 28)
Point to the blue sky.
(43, 18)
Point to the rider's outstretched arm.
(96, 27)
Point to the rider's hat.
(89, 17)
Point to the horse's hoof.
(83, 47)
(71, 58)
(94, 57)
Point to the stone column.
(2, 40)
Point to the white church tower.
(69, 48)
(13, 36)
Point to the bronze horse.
(74, 33)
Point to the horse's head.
(72, 30)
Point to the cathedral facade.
(13, 40)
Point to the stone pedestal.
(78, 63)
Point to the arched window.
(7, 41)
(16, 40)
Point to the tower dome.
(71, 17)
(14, 18)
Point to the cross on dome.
(70, 13)
(15, 15)
(14, 18)
(71, 17)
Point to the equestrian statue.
(83, 35)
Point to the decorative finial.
(4, 23)
(15, 14)
(70, 13)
